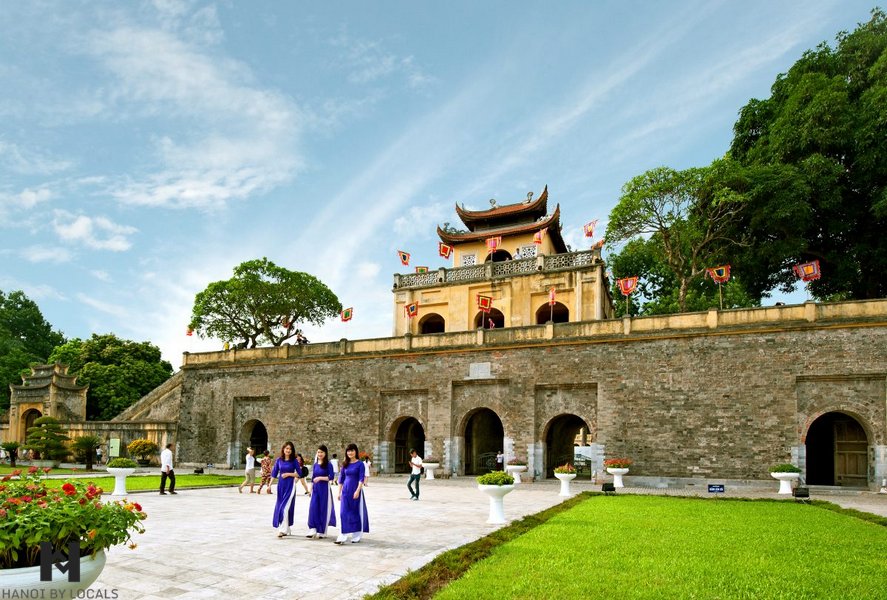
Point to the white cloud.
(101, 275)
(98, 233)
(368, 270)
(417, 219)
(29, 162)
(114, 310)
(38, 254)
(27, 198)
(369, 62)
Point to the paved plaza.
(211, 543)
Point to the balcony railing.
(493, 270)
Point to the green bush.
(785, 468)
(496, 478)
(142, 448)
(47, 438)
(122, 463)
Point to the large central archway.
(483, 440)
(253, 434)
(837, 451)
(563, 434)
(408, 433)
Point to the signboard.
(114, 447)
(716, 488)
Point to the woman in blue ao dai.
(285, 473)
(353, 508)
(321, 511)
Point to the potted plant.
(617, 467)
(565, 473)
(516, 466)
(47, 439)
(31, 513)
(495, 485)
(120, 468)
(430, 464)
(785, 473)
(143, 449)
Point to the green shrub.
(122, 463)
(142, 448)
(496, 478)
(785, 468)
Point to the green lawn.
(657, 547)
(136, 483)
(5, 469)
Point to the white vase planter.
(565, 479)
(27, 580)
(429, 469)
(617, 476)
(515, 471)
(497, 506)
(785, 481)
(120, 480)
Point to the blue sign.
(716, 488)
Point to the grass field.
(6, 470)
(136, 483)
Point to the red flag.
(412, 309)
(627, 285)
(421, 269)
(808, 271)
(404, 257)
(589, 228)
(539, 236)
(493, 243)
(189, 332)
(551, 296)
(484, 303)
(719, 274)
(444, 250)
(347, 314)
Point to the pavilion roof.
(529, 210)
(552, 222)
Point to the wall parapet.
(809, 314)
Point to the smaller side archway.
(557, 313)
(498, 256)
(406, 433)
(27, 421)
(562, 435)
(492, 320)
(837, 451)
(484, 438)
(432, 323)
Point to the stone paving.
(216, 542)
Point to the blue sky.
(148, 148)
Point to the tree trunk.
(682, 295)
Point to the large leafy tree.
(25, 338)
(118, 371)
(686, 216)
(816, 158)
(262, 303)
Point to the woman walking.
(302, 471)
(285, 473)
(320, 511)
(353, 509)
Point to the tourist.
(250, 471)
(500, 461)
(321, 512)
(367, 463)
(98, 455)
(166, 471)
(285, 472)
(415, 473)
(352, 510)
(335, 463)
(303, 472)
(265, 471)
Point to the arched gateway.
(407, 433)
(562, 435)
(484, 437)
(837, 451)
(253, 434)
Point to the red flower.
(138, 506)
(32, 470)
(69, 489)
(2, 513)
(82, 501)
(47, 469)
(26, 498)
(6, 478)
(17, 472)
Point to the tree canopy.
(25, 338)
(118, 371)
(816, 159)
(262, 303)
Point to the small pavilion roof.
(521, 211)
(552, 223)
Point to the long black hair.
(326, 456)
(292, 454)
(348, 458)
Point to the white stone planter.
(515, 471)
(120, 480)
(429, 469)
(497, 506)
(26, 581)
(785, 481)
(617, 476)
(565, 479)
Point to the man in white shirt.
(166, 471)
(415, 473)
(250, 471)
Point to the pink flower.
(32, 470)
(69, 489)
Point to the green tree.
(118, 371)
(685, 215)
(25, 338)
(262, 303)
(84, 447)
(47, 438)
(816, 158)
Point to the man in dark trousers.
(166, 471)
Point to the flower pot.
(785, 481)
(617, 476)
(120, 480)
(144, 462)
(515, 471)
(565, 479)
(26, 581)
(429, 469)
(497, 507)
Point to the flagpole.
(721, 295)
